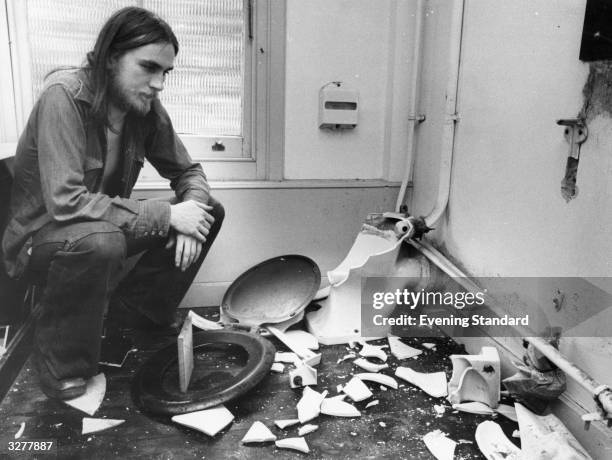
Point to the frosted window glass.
(203, 94)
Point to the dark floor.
(408, 414)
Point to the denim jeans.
(80, 265)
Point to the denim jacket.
(59, 165)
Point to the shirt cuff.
(153, 219)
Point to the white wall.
(353, 41)
(260, 223)
(520, 72)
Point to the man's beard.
(122, 99)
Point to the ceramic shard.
(474, 407)
(306, 429)
(278, 367)
(203, 323)
(93, 425)
(282, 424)
(372, 403)
(476, 378)
(309, 406)
(345, 357)
(400, 350)
(20, 430)
(507, 411)
(298, 444)
(357, 390)
(303, 338)
(373, 351)
(93, 397)
(302, 375)
(439, 410)
(494, 444)
(208, 421)
(379, 378)
(434, 384)
(338, 408)
(286, 357)
(440, 445)
(546, 437)
(184, 344)
(369, 366)
(258, 433)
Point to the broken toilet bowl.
(476, 378)
(374, 253)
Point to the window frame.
(260, 149)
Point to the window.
(217, 96)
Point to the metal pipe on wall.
(413, 118)
(601, 393)
(450, 114)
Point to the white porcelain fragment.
(20, 430)
(305, 339)
(369, 366)
(507, 411)
(282, 424)
(307, 429)
(357, 390)
(93, 397)
(476, 378)
(378, 378)
(258, 433)
(546, 437)
(93, 425)
(429, 345)
(440, 445)
(278, 368)
(345, 357)
(298, 444)
(439, 409)
(302, 375)
(372, 403)
(494, 444)
(208, 421)
(287, 357)
(434, 384)
(309, 406)
(338, 408)
(400, 350)
(373, 351)
(203, 323)
(474, 407)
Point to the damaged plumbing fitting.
(414, 227)
(537, 382)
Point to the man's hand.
(187, 251)
(191, 218)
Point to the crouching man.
(72, 221)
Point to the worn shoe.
(58, 388)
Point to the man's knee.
(218, 211)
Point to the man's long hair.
(126, 29)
